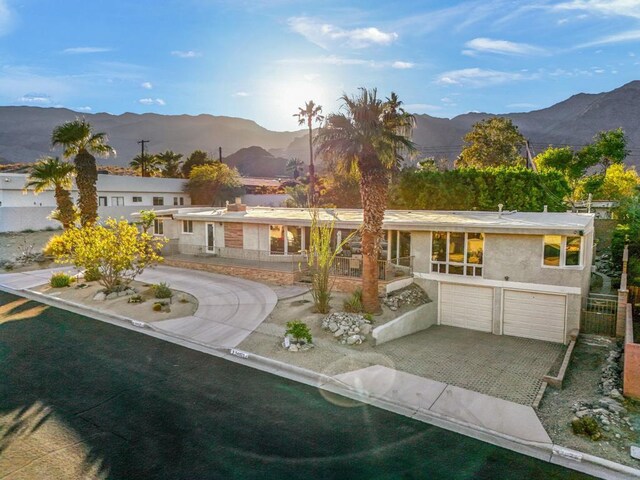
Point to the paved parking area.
(498, 365)
(505, 367)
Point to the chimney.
(237, 207)
(500, 210)
(545, 209)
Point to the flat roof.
(505, 222)
(109, 183)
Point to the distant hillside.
(257, 162)
(25, 133)
(573, 121)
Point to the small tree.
(197, 157)
(492, 142)
(213, 183)
(321, 257)
(117, 249)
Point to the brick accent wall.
(250, 273)
(233, 237)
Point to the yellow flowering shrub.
(118, 249)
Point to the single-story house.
(513, 273)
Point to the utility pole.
(220, 154)
(143, 164)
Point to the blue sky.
(261, 59)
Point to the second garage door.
(466, 306)
(534, 315)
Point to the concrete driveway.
(229, 308)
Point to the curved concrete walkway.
(229, 308)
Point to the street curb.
(551, 453)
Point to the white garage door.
(534, 315)
(466, 306)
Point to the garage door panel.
(466, 306)
(534, 315)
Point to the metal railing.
(387, 270)
(599, 314)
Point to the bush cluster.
(353, 304)
(92, 274)
(587, 426)
(299, 331)
(162, 290)
(60, 280)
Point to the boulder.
(112, 295)
(99, 297)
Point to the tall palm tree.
(369, 138)
(78, 140)
(307, 115)
(49, 173)
(170, 163)
(147, 165)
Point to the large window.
(187, 226)
(457, 253)
(285, 240)
(400, 245)
(158, 227)
(560, 251)
(158, 201)
(117, 201)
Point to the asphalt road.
(83, 399)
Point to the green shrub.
(299, 331)
(162, 290)
(135, 299)
(157, 307)
(369, 317)
(92, 274)
(353, 304)
(586, 426)
(60, 280)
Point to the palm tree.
(294, 167)
(147, 165)
(369, 138)
(307, 115)
(78, 140)
(49, 173)
(170, 163)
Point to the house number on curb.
(238, 353)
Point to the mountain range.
(25, 131)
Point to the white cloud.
(327, 60)
(240, 94)
(147, 85)
(628, 36)
(502, 47)
(152, 101)
(186, 53)
(624, 8)
(325, 34)
(84, 50)
(81, 109)
(35, 99)
(402, 65)
(6, 18)
(478, 77)
(421, 107)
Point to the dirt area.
(582, 386)
(182, 304)
(15, 244)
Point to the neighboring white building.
(602, 209)
(118, 196)
(510, 273)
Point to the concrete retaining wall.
(411, 322)
(271, 276)
(631, 379)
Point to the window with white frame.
(117, 201)
(457, 253)
(562, 251)
(136, 199)
(158, 201)
(175, 201)
(285, 240)
(102, 201)
(187, 226)
(158, 227)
